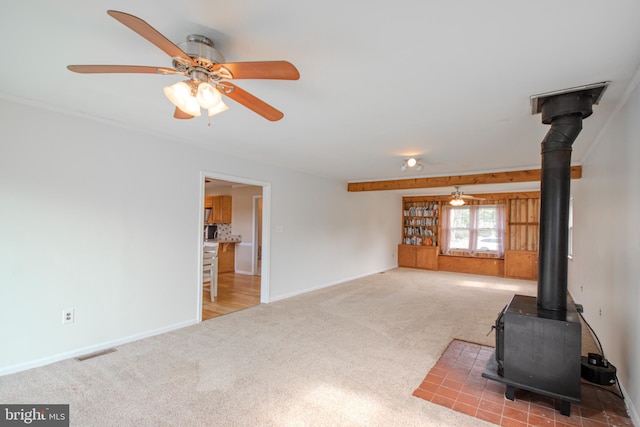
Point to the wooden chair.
(210, 268)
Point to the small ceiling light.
(456, 202)
(411, 163)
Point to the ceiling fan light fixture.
(180, 95)
(411, 162)
(208, 97)
(200, 62)
(191, 106)
(177, 93)
(219, 108)
(456, 202)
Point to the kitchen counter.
(236, 239)
(226, 253)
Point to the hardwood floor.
(235, 292)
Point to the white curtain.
(473, 230)
(501, 223)
(445, 238)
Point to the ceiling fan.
(205, 69)
(457, 197)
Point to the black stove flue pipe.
(564, 112)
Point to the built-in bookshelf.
(420, 223)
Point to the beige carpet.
(347, 355)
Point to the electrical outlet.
(68, 316)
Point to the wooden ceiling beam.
(530, 175)
(486, 197)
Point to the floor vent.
(96, 354)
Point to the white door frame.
(266, 235)
(256, 229)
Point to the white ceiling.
(447, 81)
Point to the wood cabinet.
(425, 257)
(407, 256)
(521, 264)
(471, 265)
(220, 209)
(227, 257)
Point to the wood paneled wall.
(523, 224)
(522, 212)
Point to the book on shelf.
(429, 210)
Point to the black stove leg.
(565, 408)
(510, 393)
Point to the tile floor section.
(456, 382)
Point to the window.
(473, 229)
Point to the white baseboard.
(631, 409)
(91, 349)
(328, 284)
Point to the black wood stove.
(538, 340)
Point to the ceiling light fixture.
(411, 163)
(192, 95)
(458, 201)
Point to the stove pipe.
(564, 111)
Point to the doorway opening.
(233, 218)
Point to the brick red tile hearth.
(456, 382)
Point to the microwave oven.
(211, 232)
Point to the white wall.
(604, 274)
(106, 221)
(242, 223)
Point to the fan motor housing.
(201, 50)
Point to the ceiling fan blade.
(179, 114)
(148, 32)
(251, 102)
(278, 70)
(88, 69)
